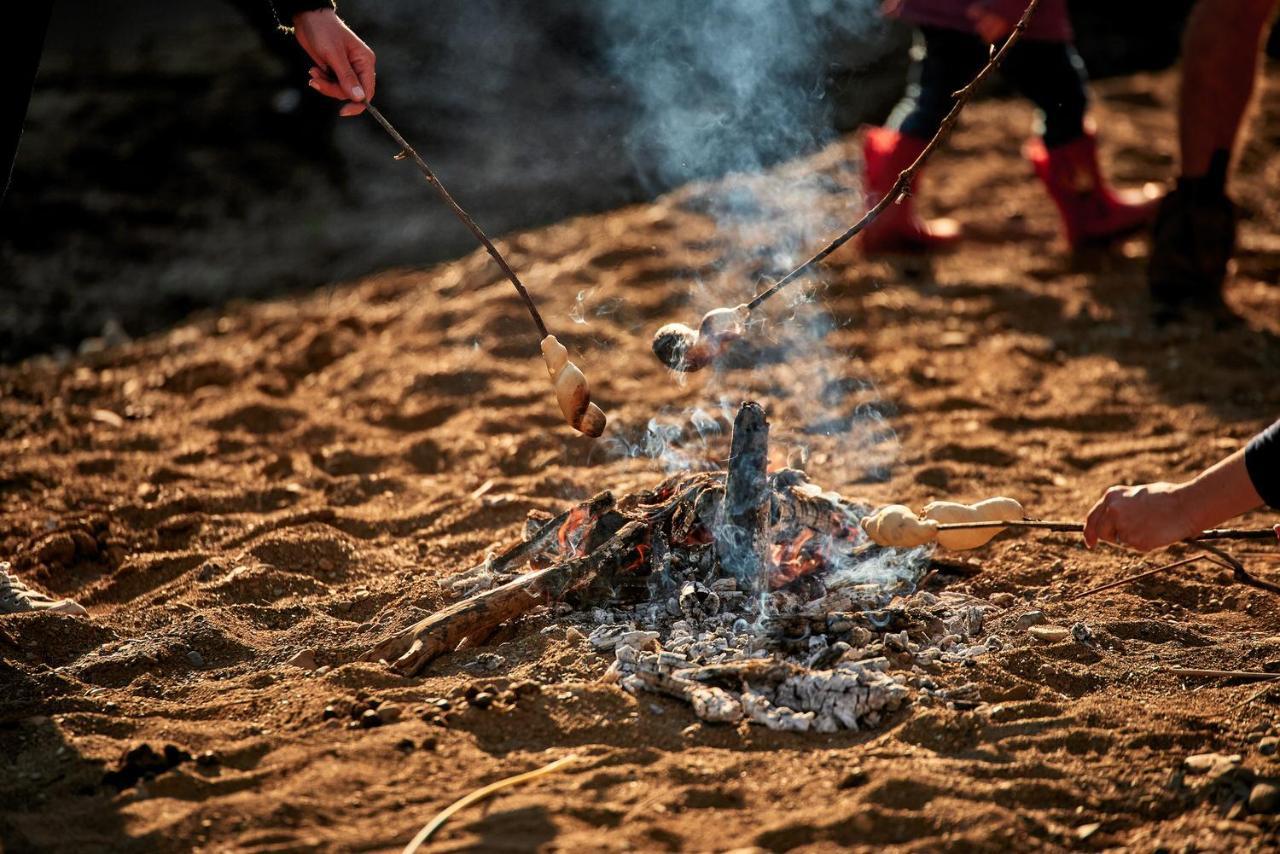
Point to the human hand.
(344, 64)
(1141, 517)
(991, 28)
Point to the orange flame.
(791, 559)
(642, 557)
(572, 533)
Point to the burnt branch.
(743, 534)
(412, 649)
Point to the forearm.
(1221, 492)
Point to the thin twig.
(1242, 575)
(470, 223)
(1255, 675)
(478, 795)
(1132, 578)
(903, 183)
(1254, 696)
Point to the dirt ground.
(303, 474)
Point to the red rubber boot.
(885, 154)
(1092, 212)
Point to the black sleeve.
(286, 9)
(1262, 460)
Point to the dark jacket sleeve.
(286, 9)
(1262, 460)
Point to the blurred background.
(173, 160)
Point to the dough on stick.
(998, 509)
(571, 388)
(680, 348)
(897, 526)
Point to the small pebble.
(196, 659)
(1081, 632)
(369, 719)
(1003, 600)
(1265, 798)
(1199, 763)
(481, 700)
(208, 759)
(1267, 746)
(1030, 618)
(329, 713)
(389, 713)
(1049, 634)
(306, 659)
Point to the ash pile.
(752, 595)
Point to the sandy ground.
(300, 474)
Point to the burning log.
(511, 558)
(700, 543)
(741, 539)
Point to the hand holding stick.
(570, 384)
(682, 348)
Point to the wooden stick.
(1253, 675)
(1077, 527)
(479, 795)
(465, 217)
(1140, 575)
(903, 184)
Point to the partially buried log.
(412, 649)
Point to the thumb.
(347, 79)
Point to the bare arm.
(1156, 514)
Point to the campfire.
(752, 595)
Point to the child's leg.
(950, 61)
(1052, 76)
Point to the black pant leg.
(1052, 76)
(950, 61)
(26, 24)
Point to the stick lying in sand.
(479, 795)
(683, 348)
(572, 391)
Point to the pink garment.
(1049, 23)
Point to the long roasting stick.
(683, 348)
(903, 184)
(1076, 527)
(462, 215)
(570, 385)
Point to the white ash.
(844, 674)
